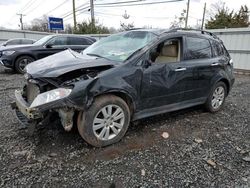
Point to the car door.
(200, 62)
(78, 43)
(54, 45)
(164, 83)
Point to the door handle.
(180, 69)
(214, 64)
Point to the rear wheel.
(217, 97)
(105, 122)
(21, 63)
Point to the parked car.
(126, 77)
(17, 57)
(18, 41)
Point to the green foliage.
(224, 18)
(89, 28)
(125, 26)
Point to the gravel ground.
(202, 150)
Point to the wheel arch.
(26, 54)
(226, 82)
(124, 96)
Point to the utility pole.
(203, 17)
(21, 20)
(186, 21)
(74, 14)
(92, 12)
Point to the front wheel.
(105, 122)
(217, 97)
(21, 63)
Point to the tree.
(179, 21)
(222, 17)
(125, 24)
(86, 27)
(39, 24)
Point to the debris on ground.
(52, 157)
(165, 135)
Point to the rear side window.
(78, 41)
(218, 49)
(57, 41)
(27, 41)
(13, 42)
(198, 48)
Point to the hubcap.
(108, 122)
(218, 97)
(23, 63)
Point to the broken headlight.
(50, 96)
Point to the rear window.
(218, 49)
(79, 41)
(198, 48)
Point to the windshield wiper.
(96, 55)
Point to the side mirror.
(147, 63)
(48, 45)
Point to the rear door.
(200, 63)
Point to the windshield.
(43, 40)
(120, 46)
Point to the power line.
(120, 2)
(137, 4)
(27, 5)
(34, 8)
(58, 6)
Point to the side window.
(14, 42)
(218, 49)
(168, 51)
(58, 41)
(78, 41)
(25, 41)
(198, 48)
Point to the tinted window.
(79, 41)
(218, 49)
(59, 41)
(26, 41)
(13, 42)
(198, 48)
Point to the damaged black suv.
(126, 77)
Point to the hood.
(16, 47)
(64, 62)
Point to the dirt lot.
(203, 149)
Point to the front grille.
(32, 91)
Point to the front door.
(165, 81)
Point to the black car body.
(174, 69)
(18, 41)
(17, 57)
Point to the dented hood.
(63, 62)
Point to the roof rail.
(199, 30)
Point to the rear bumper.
(21, 105)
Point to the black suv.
(126, 77)
(17, 57)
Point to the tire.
(216, 97)
(21, 62)
(105, 122)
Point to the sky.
(156, 16)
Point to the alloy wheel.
(108, 122)
(218, 97)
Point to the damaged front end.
(41, 96)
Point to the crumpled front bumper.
(21, 105)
